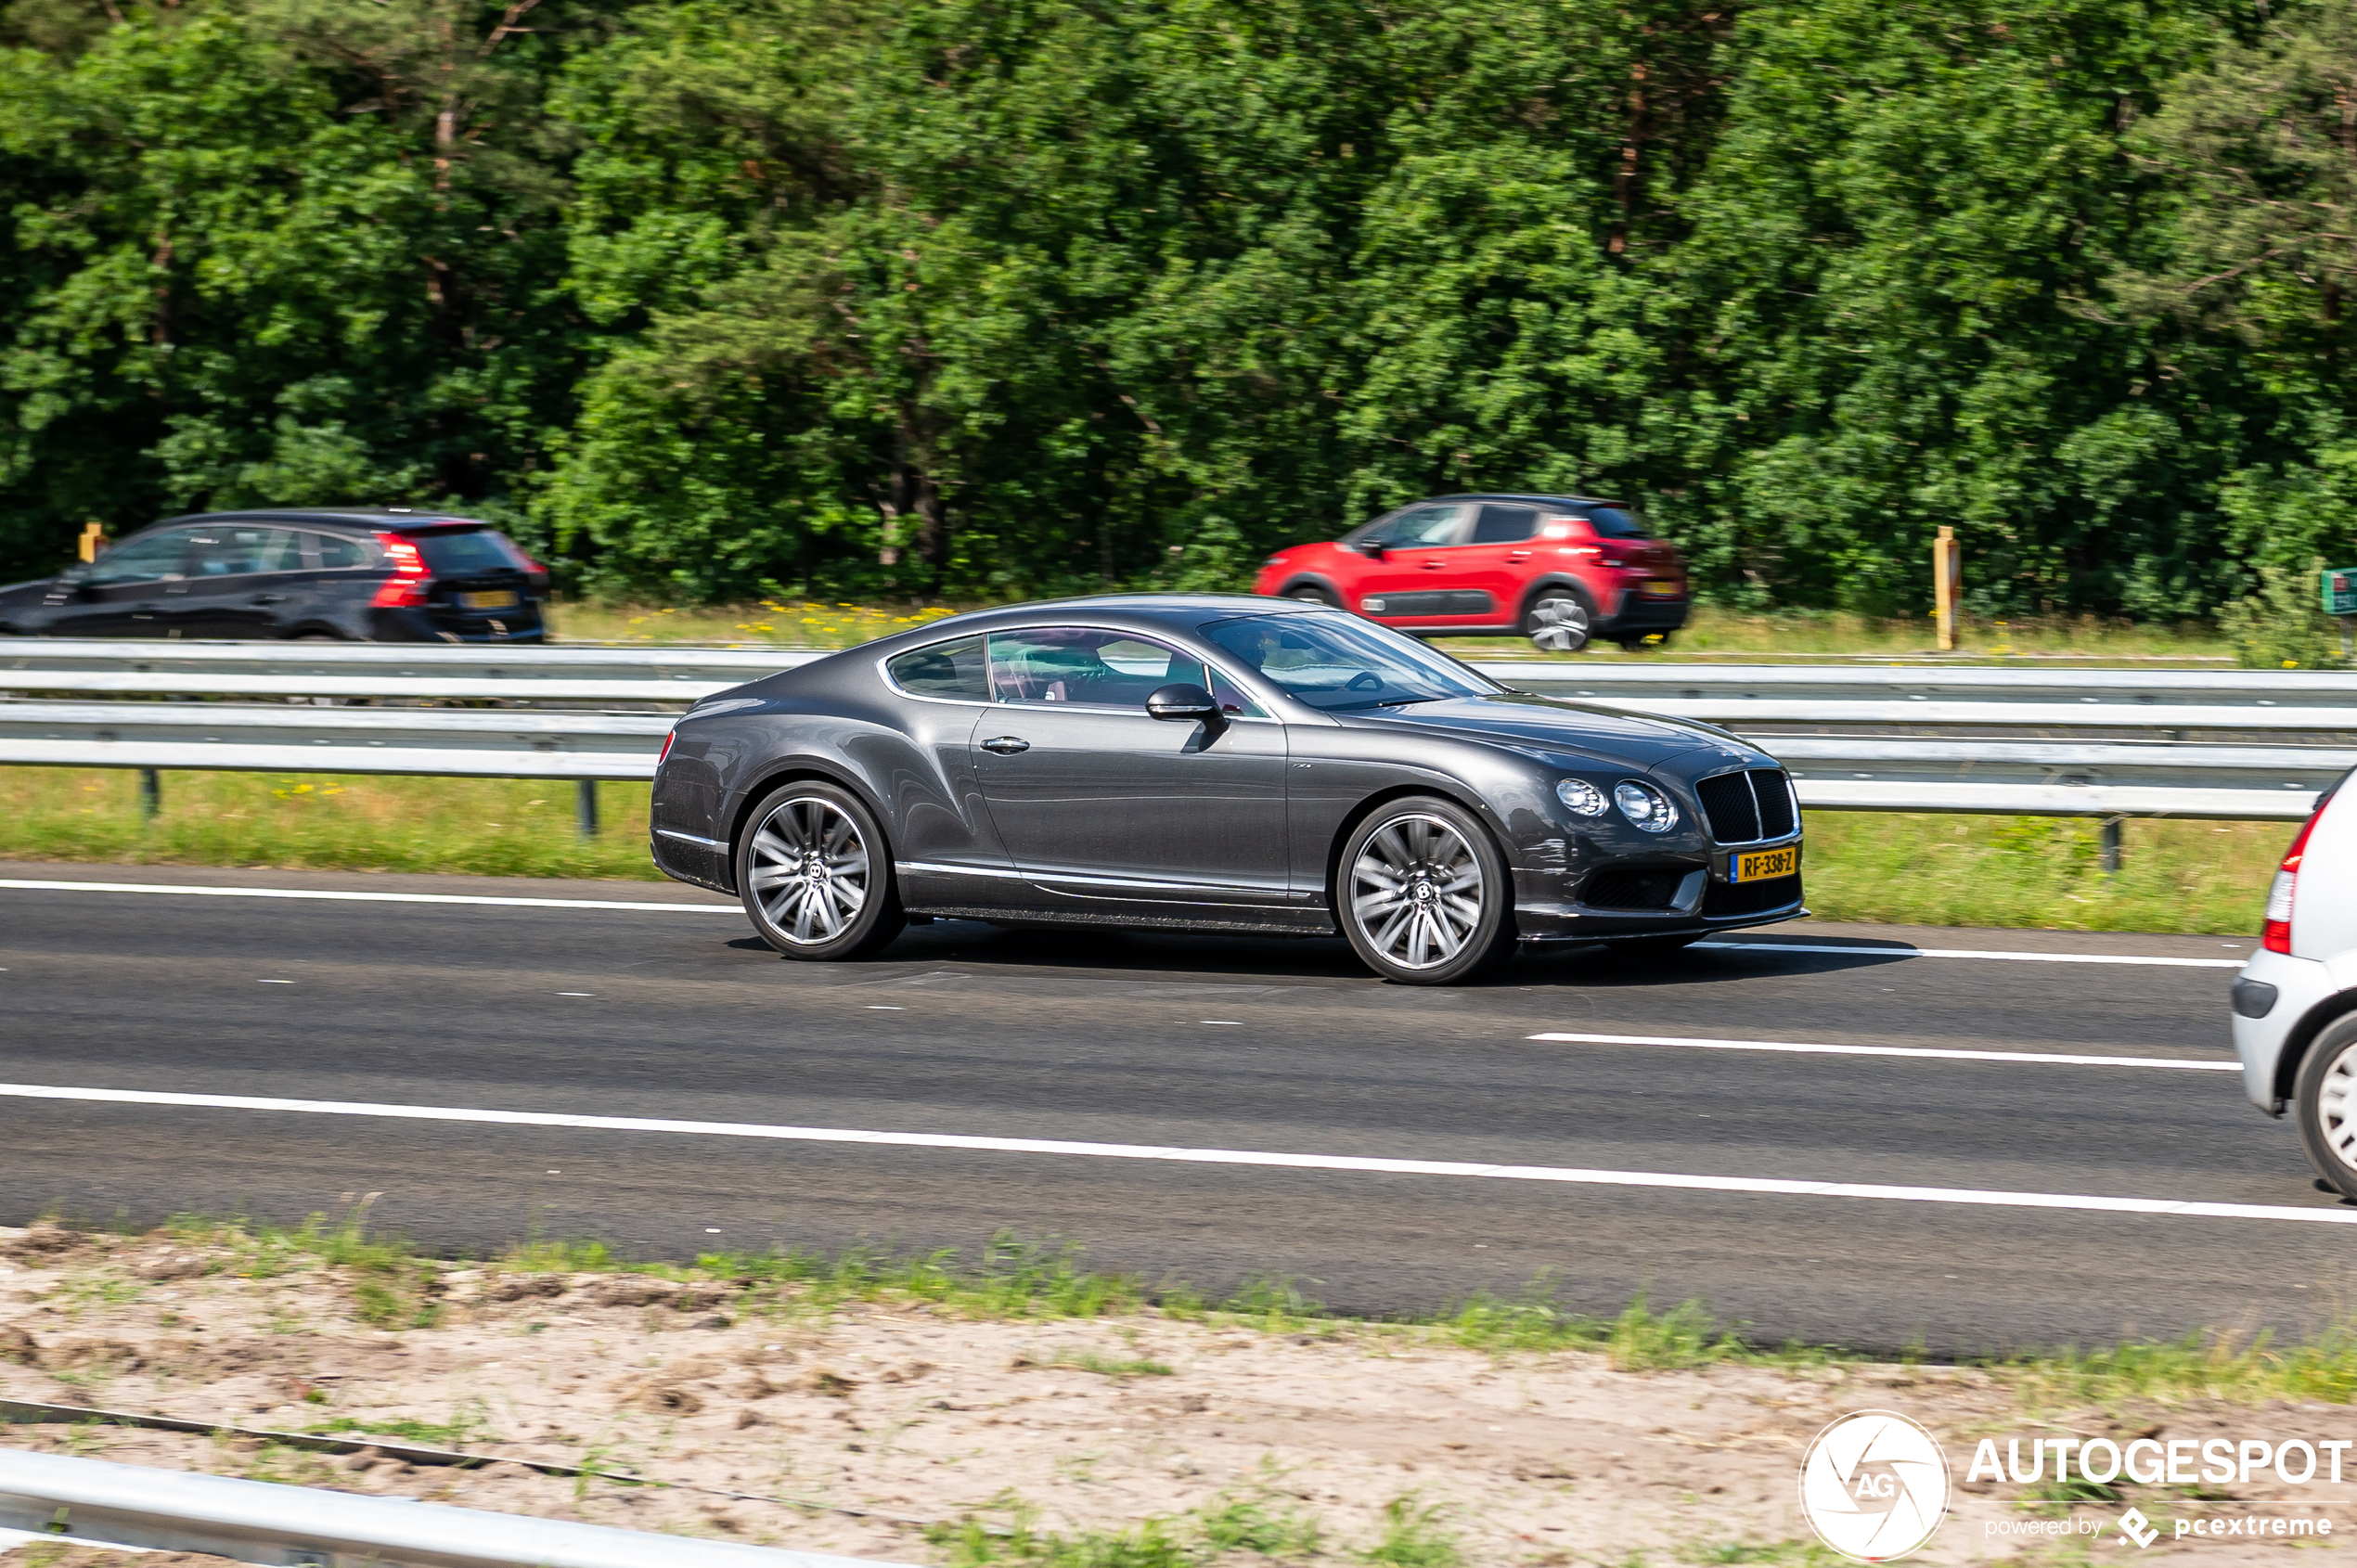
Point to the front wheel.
(2327, 1102)
(1424, 895)
(814, 875)
(1556, 621)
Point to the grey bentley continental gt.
(1181, 762)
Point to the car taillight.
(405, 588)
(536, 574)
(662, 755)
(2277, 935)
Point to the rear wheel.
(1556, 620)
(2327, 1101)
(814, 875)
(1424, 895)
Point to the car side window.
(953, 670)
(1505, 525)
(241, 551)
(336, 551)
(158, 557)
(1097, 669)
(1426, 527)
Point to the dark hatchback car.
(1214, 763)
(364, 574)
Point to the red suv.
(1557, 569)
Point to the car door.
(1487, 572)
(131, 591)
(240, 577)
(1099, 803)
(1407, 587)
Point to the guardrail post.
(2111, 846)
(150, 795)
(586, 800)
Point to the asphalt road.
(1262, 1047)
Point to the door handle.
(1007, 745)
(1517, 555)
(268, 598)
(1434, 565)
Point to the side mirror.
(1374, 550)
(1183, 701)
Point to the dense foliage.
(720, 297)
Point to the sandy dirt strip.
(853, 1431)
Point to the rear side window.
(1611, 522)
(953, 670)
(241, 551)
(1505, 525)
(336, 551)
(464, 554)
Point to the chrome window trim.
(885, 660)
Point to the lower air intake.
(1751, 898)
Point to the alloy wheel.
(809, 870)
(1416, 893)
(2336, 1108)
(1558, 624)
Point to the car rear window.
(1611, 522)
(465, 552)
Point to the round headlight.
(1580, 798)
(1646, 807)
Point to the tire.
(1309, 593)
(2326, 1102)
(1556, 620)
(853, 906)
(1422, 893)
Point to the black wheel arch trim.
(2318, 1018)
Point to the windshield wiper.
(1403, 702)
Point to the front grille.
(1747, 807)
(1751, 898)
(1631, 890)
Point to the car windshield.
(1337, 661)
(1611, 522)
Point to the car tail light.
(534, 572)
(663, 755)
(405, 588)
(2278, 936)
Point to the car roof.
(1523, 495)
(362, 518)
(1186, 612)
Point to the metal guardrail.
(1933, 752)
(101, 1503)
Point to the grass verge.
(1711, 634)
(2189, 877)
(1010, 1279)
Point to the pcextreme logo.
(1873, 1485)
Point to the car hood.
(1526, 721)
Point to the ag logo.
(1873, 1485)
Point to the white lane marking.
(2052, 1057)
(1226, 1022)
(35, 885)
(1773, 1187)
(1973, 953)
(273, 983)
(576, 993)
(885, 1006)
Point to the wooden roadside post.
(93, 543)
(1946, 584)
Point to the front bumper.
(1641, 613)
(2301, 986)
(1547, 910)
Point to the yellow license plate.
(487, 601)
(1761, 864)
(1660, 588)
